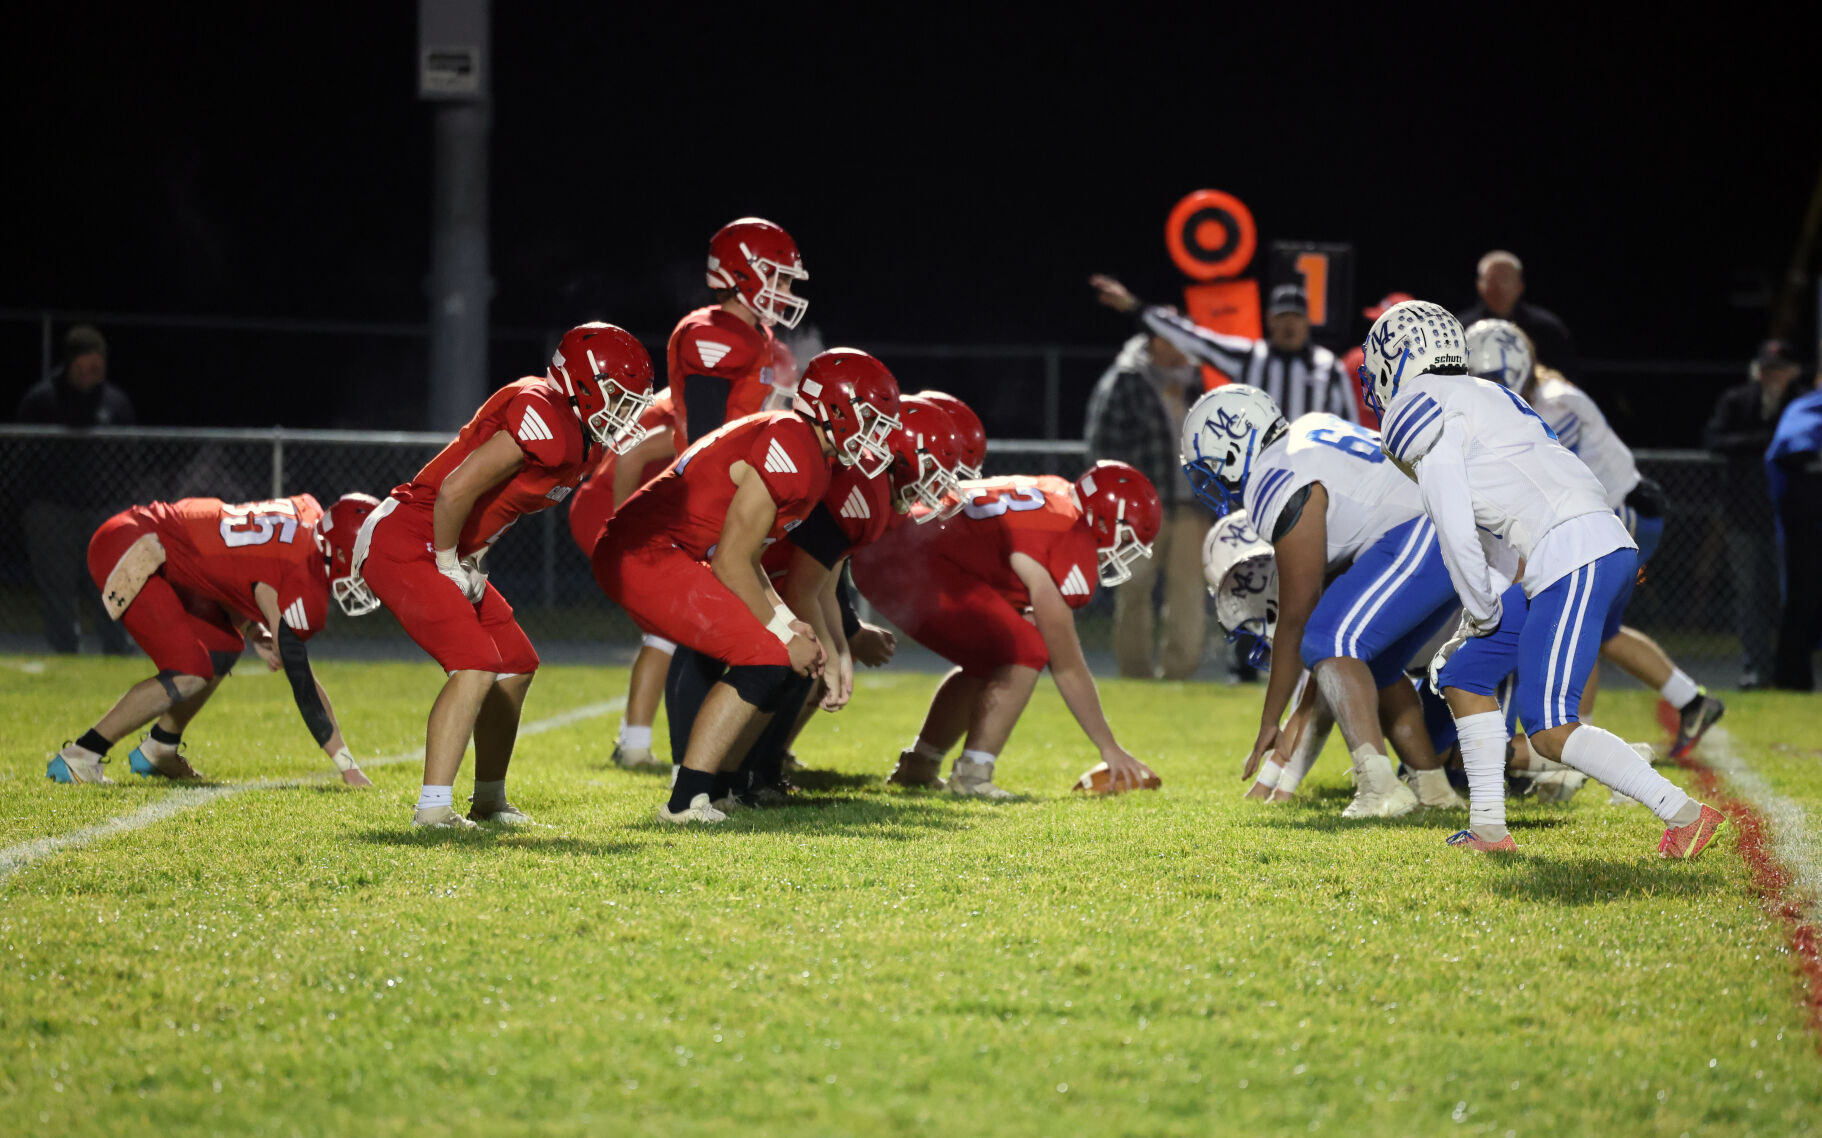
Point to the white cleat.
(969, 779)
(1433, 790)
(1377, 791)
(637, 759)
(500, 814)
(73, 764)
(440, 818)
(1557, 784)
(699, 810)
(1618, 799)
(728, 804)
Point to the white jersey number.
(997, 502)
(257, 523)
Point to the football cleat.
(1618, 799)
(1556, 783)
(915, 771)
(1693, 721)
(85, 767)
(1433, 790)
(1467, 840)
(1689, 841)
(500, 813)
(1377, 791)
(637, 759)
(969, 779)
(172, 766)
(729, 803)
(699, 810)
(440, 818)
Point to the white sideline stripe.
(18, 857)
(1793, 836)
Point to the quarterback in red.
(421, 552)
(723, 360)
(190, 580)
(994, 591)
(682, 556)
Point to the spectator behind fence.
(1794, 465)
(63, 499)
(1500, 280)
(1134, 416)
(1739, 430)
(1299, 375)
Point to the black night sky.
(951, 178)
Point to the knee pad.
(174, 684)
(762, 685)
(223, 662)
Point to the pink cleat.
(1691, 840)
(1465, 840)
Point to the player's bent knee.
(762, 685)
(180, 686)
(1550, 743)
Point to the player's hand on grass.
(1262, 746)
(873, 646)
(1113, 294)
(807, 656)
(838, 683)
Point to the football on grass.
(1094, 780)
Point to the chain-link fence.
(57, 485)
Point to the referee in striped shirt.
(1300, 376)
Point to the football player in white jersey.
(1500, 351)
(1361, 584)
(1503, 491)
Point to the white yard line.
(1794, 838)
(18, 857)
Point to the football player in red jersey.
(968, 432)
(682, 554)
(612, 482)
(963, 589)
(806, 566)
(189, 580)
(421, 551)
(723, 360)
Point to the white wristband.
(1268, 774)
(344, 760)
(781, 625)
(447, 561)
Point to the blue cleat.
(66, 770)
(174, 767)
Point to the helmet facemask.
(1251, 588)
(869, 449)
(932, 486)
(1114, 562)
(616, 425)
(773, 300)
(354, 595)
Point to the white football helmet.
(1408, 340)
(1242, 576)
(1500, 351)
(1222, 434)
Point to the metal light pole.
(454, 45)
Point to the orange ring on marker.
(1206, 216)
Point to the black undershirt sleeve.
(820, 536)
(844, 596)
(1293, 509)
(705, 404)
(303, 685)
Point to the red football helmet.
(854, 398)
(1123, 509)
(928, 451)
(335, 536)
(968, 432)
(607, 375)
(759, 260)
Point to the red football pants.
(672, 595)
(460, 635)
(957, 616)
(177, 629)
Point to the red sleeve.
(704, 349)
(1074, 566)
(541, 427)
(787, 458)
(303, 602)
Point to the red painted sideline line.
(1773, 884)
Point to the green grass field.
(296, 960)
